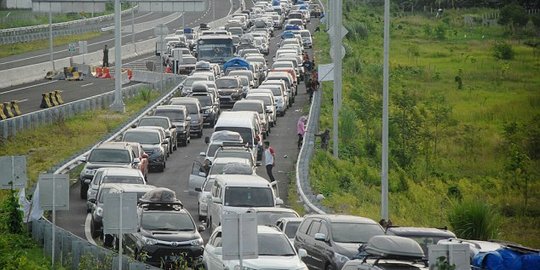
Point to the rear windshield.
(191, 107)
(349, 232)
(204, 100)
(175, 116)
(142, 137)
(245, 106)
(109, 155)
(154, 122)
(292, 228)
(246, 133)
(227, 83)
(266, 99)
(249, 197)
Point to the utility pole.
(118, 103)
(384, 173)
(336, 41)
(51, 50)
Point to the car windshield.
(191, 107)
(248, 106)
(271, 244)
(204, 100)
(291, 228)
(349, 232)
(175, 116)
(249, 197)
(230, 168)
(270, 218)
(190, 80)
(154, 122)
(110, 155)
(142, 137)
(305, 34)
(167, 221)
(227, 83)
(275, 90)
(123, 179)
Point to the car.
(107, 154)
(209, 106)
(332, 240)
(194, 109)
(229, 90)
(389, 252)
(289, 225)
(185, 86)
(112, 175)
(179, 116)
(163, 122)
(153, 143)
(258, 107)
(315, 10)
(270, 215)
(269, 103)
(424, 236)
(97, 204)
(167, 143)
(274, 252)
(216, 142)
(167, 233)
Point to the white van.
(249, 127)
(237, 194)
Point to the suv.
(229, 90)
(194, 109)
(332, 240)
(153, 143)
(163, 122)
(108, 154)
(167, 233)
(179, 116)
(210, 107)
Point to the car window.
(270, 218)
(142, 137)
(167, 221)
(292, 228)
(173, 115)
(208, 185)
(97, 178)
(247, 106)
(304, 226)
(110, 155)
(314, 228)
(349, 232)
(249, 197)
(323, 229)
(158, 122)
(274, 245)
(216, 240)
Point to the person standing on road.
(269, 160)
(105, 56)
(301, 130)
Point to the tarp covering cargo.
(507, 259)
(236, 63)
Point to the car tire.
(84, 190)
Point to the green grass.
(20, 48)
(471, 153)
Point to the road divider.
(9, 109)
(51, 99)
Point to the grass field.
(448, 144)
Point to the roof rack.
(232, 144)
(160, 199)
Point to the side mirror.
(136, 160)
(201, 111)
(320, 237)
(279, 201)
(188, 118)
(302, 253)
(202, 174)
(216, 200)
(82, 159)
(133, 126)
(201, 228)
(207, 140)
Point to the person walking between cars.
(301, 130)
(269, 160)
(105, 56)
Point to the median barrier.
(15, 108)
(7, 110)
(46, 101)
(2, 114)
(53, 100)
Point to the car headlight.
(197, 242)
(340, 259)
(149, 241)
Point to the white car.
(275, 252)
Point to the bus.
(216, 49)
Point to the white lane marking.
(87, 233)
(26, 87)
(88, 84)
(22, 100)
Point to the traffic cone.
(99, 72)
(106, 73)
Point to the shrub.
(440, 32)
(474, 219)
(503, 51)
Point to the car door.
(311, 246)
(214, 251)
(323, 250)
(196, 178)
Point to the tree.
(513, 15)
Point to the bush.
(503, 51)
(474, 219)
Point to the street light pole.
(336, 41)
(118, 103)
(51, 50)
(384, 173)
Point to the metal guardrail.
(74, 252)
(37, 32)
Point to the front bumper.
(156, 254)
(156, 161)
(196, 128)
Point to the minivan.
(248, 127)
(237, 194)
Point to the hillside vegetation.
(464, 123)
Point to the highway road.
(282, 138)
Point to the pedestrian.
(325, 138)
(105, 56)
(269, 160)
(301, 129)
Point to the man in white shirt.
(269, 160)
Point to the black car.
(229, 90)
(332, 240)
(165, 123)
(179, 116)
(167, 233)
